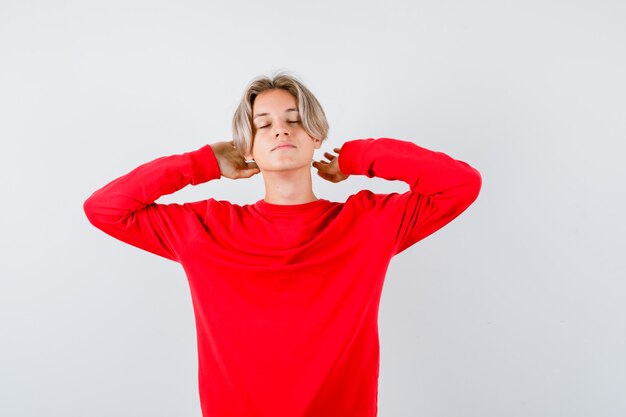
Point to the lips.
(283, 145)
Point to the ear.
(317, 143)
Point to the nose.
(281, 128)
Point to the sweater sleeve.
(441, 188)
(125, 208)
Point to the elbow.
(90, 207)
(469, 190)
(95, 210)
(474, 185)
(469, 182)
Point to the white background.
(514, 309)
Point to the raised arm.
(441, 187)
(126, 209)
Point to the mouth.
(283, 146)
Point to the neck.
(289, 187)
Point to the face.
(280, 143)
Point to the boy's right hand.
(232, 164)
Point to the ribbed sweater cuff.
(204, 166)
(352, 158)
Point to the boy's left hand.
(329, 170)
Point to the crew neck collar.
(264, 206)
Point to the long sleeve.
(441, 188)
(126, 209)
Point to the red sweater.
(286, 297)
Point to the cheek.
(257, 144)
(256, 138)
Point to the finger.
(322, 169)
(329, 156)
(319, 167)
(247, 173)
(337, 150)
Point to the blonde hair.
(311, 113)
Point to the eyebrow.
(265, 114)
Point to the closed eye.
(290, 121)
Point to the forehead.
(273, 101)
